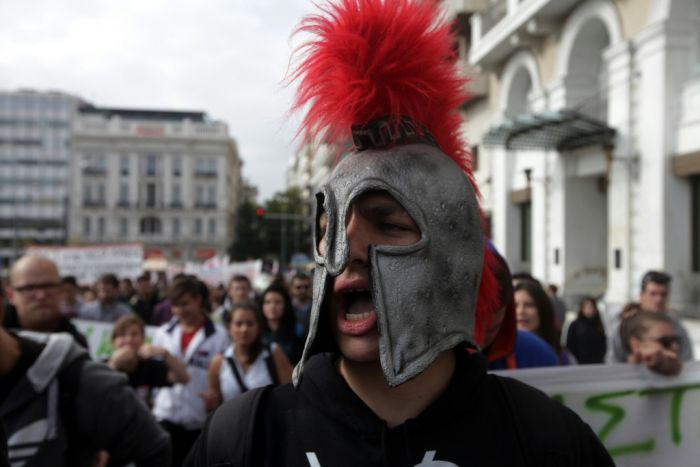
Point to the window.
(198, 226)
(124, 227)
(177, 166)
(176, 227)
(87, 194)
(101, 226)
(150, 195)
(124, 165)
(526, 232)
(212, 227)
(177, 194)
(100, 193)
(211, 195)
(150, 225)
(695, 221)
(123, 194)
(87, 227)
(151, 165)
(199, 195)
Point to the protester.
(300, 289)
(279, 325)
(534, 313)
(35, 291)
(586, 338)
(71, 302)
(247, 363)
(147, 366)
(145, 298)
(650, 338)
(239, 291)
(60, 408)
(107, 308)
(653, 296)
(386, 377)
(194, 339)
(126, 290)
(505, 346)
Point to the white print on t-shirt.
(426, 462)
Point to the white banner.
(88, 263)
(99, 336)
(643, 419)
(219, 271)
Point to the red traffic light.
(260, 212)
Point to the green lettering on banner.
(676, 402)
(617, 415)
(104, 349)
(88, 332)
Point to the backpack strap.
(231, 430)
(237, 374)
(271, 367)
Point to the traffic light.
(260, 212)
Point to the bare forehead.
(29, 269)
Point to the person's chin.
(359, 349)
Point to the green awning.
(562, 130)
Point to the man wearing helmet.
(389, 374)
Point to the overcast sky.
(225, 57)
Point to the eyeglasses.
(667, 342)
(33, 288)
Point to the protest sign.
(99, 336)
(88, 263)
(643, 419)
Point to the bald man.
(35, 292)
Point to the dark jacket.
(66, 408)
(587, 343)
(480, 420)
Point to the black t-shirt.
(11, 321)
(29, 352)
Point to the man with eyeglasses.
(58, 407)
(653, 297)
(35, 291)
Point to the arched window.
(150, 226)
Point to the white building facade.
(167, 179)
(586, 126)
(35, 132)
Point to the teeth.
(357, 316)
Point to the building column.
(504, 217)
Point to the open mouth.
(356, 313)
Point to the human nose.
(358, 239)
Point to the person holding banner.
(390, 375)
(650, 338)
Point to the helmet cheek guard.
(424, 294)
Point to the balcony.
(505, 25)
(205, 174)
(95, 171)
(202, 205)
(92, 203)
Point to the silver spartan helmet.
(424, 294)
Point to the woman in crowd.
(650, 337)
(146, 365)
(247, 363)
(280, 325)
(534, 313)
(586, 338)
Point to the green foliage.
(283, 230)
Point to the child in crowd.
(194, 339)
(147, 366)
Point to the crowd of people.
(210, 343)
(214, 343)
